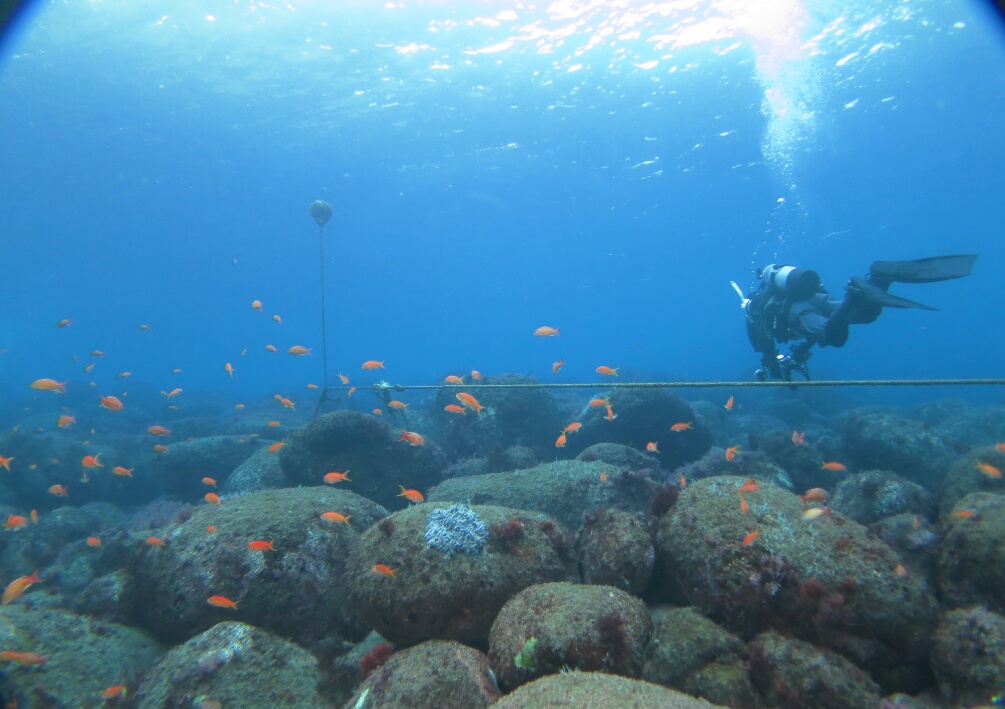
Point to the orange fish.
(572, 427)
(352, 390)
(383, 570)
(256, 305)
(64, 322)
(173, 392)
(336, 517)
(17, 587)
(272, 424)
(915, 523)
(743, 506)
(277, 319)
(1000, 446)
(210, 529)
(989, 470)
(287, 403)
(298, 350)
(455, 409)
(89, 367)
(59, 490)
(476, 375)
(209, 481)
(260, 545)
(335, 477)
(546, 332)
(92, 461)
(900, 570)
(34, 515)
(222, 602)
(312, 386)
(798, 439)
(156, 542)
(49, 385)
(397, 405)
(469, 401)
(378, 412)
(603, 477)
(729, 404)
(343, 378)
(678, 427)
(600, 402)
(557, 366)
(453, 379)
(372, 364)
(962, 514)
(229, 369)
(123, 375)
(5, 462)
(732, 452)
(118, 690)
(833, 466)
(144, 327)
(413, 438)
(271, 348)
(815, 494)
(604, 369)
(160, 449)
(610, 413)
(97, 353)
(94, 541)
(276, 446)
(158, 431)
(560, 442)
(812, 513)
(238, 406)
(15, 521)
(682, 481)
(112, 403)
(213, 499)
(23, 658)
(749, 485)
(749, 539)
(411, 495)
(66, 421)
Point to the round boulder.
(597, 689)
(870, 496)
(974, 472)
(616, 549)
(971, 568)
(968, 656)
(180, 469)
(905, 446)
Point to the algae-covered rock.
(795, 673)
(261, 471)
(725, 683)
(597, 689)
(564, 489)
(615, 548)
(445, 584)
(554, 625)
(180, 469)
(83, 657)
(905, 446)
(444, 674)
(870, 496)
(968, 655)
(620, 456)
(971, 566)
(682, 642)
(369, 448)
(233, 665)
(296, 591)
(966, 477)
(824, 579)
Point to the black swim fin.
(870, 293)
(922, 270)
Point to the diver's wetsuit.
(791, 305)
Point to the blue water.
(603, 168)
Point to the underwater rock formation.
(615, 548)
(968, 656)
(966, 477)
(261, 471)
(870, 496)
(179, 470)
(905, 446)
(597, 689)
(437, 595)
(970, 568)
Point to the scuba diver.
(791, 305)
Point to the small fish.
(209, 481)
(453, 379)
(64, 322)
(600, 402)
(287, 403)
(749, 485)
(812, 513)
(158, 431)
(336, 477)
(343, 378)
(123, 375)
(260, 545)
(915, 524)
(678, 427)
(89, 367)
(476, 375)
(557, 366)
(749, 539)
(743, 506)
(989, 470)
(160, 449)
(276, 446)
(229, 369)
(682, 481)
(469, 401)
(312, 386)
(97, 353)
(92, 461)
(271, 348)
(144, 327)
(1000, 446)
(172, 393)
(277, 319)
(455, 409)
(34, 515)
(48, 385)
(900, 570)
(372, 364)
(798, 439)
(94, 541)
(401, 406)
(5, 462)
(607, 371)
(18, 586)
(112, 403)
(378, 412)
(729, 404)
(298, 350)
(560, 441)
(213, 499)
(546, 332)
(352, 390)
(115, 691)
(23, 658)
(175, 371)
(238, 406)
(336, 517)
(411, 495)
(732, 452)
(210, 529)
(59, 490)
(962, 514)
(66, 421)
(814, 494)
(833, 466)
(603, 477)
(413, 438)
(572, 427)
(273, 424)
(256, 305)
(383, 570)
(222, 602)
(16, 521)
